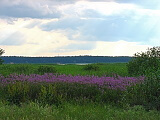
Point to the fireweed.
(118, 82)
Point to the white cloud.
(37, 42)
(103, 8)
(119, 48)
(53, 43)
(59, 25)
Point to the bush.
(21, 92)
(146, 94)
(46, 69)
(88, 92)
(49, 95)
(15, 93)
(145, 62)
(91, 67)
(22, 69)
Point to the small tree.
(1, 52)
(146, 94)
(145, 62)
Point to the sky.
(78, 27)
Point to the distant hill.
(66, 59)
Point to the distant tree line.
(66, 59)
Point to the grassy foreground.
(62, 101)
(67, 111)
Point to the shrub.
(49, 95)
(21, 69)
(15, 93)
(21, 92)
(91, 67)
(145, 62)
(146, 94)
(46, 69)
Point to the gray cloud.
(48, 8)
(123, 26)
(21, 9)
(66, 23)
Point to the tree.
(145, 62)
(1, 52)
(146, 94)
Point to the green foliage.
(87, 92)
(106, 69)
(74, 91)
(134, 95)
(21, 69)
(48, 95)
(14, 93)
(46, 69)
(110, 96)
(69, 111)
(145, 62)
(146, 94)
(91, 67)
(56, 93)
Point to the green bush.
(21, 92)
(91, 67)
(46, 69)
(14, 93)
(146, 94)
(134, 95)
(21, 69)
(88, 92)
(48, 95)
(145, 62)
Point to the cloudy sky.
(78, 27)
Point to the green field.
(71, 101)
(107, 69)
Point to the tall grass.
(89, 111)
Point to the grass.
(104, 69)
(75, 108)
(68, 111)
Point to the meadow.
(105, 69)
(102, 91)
